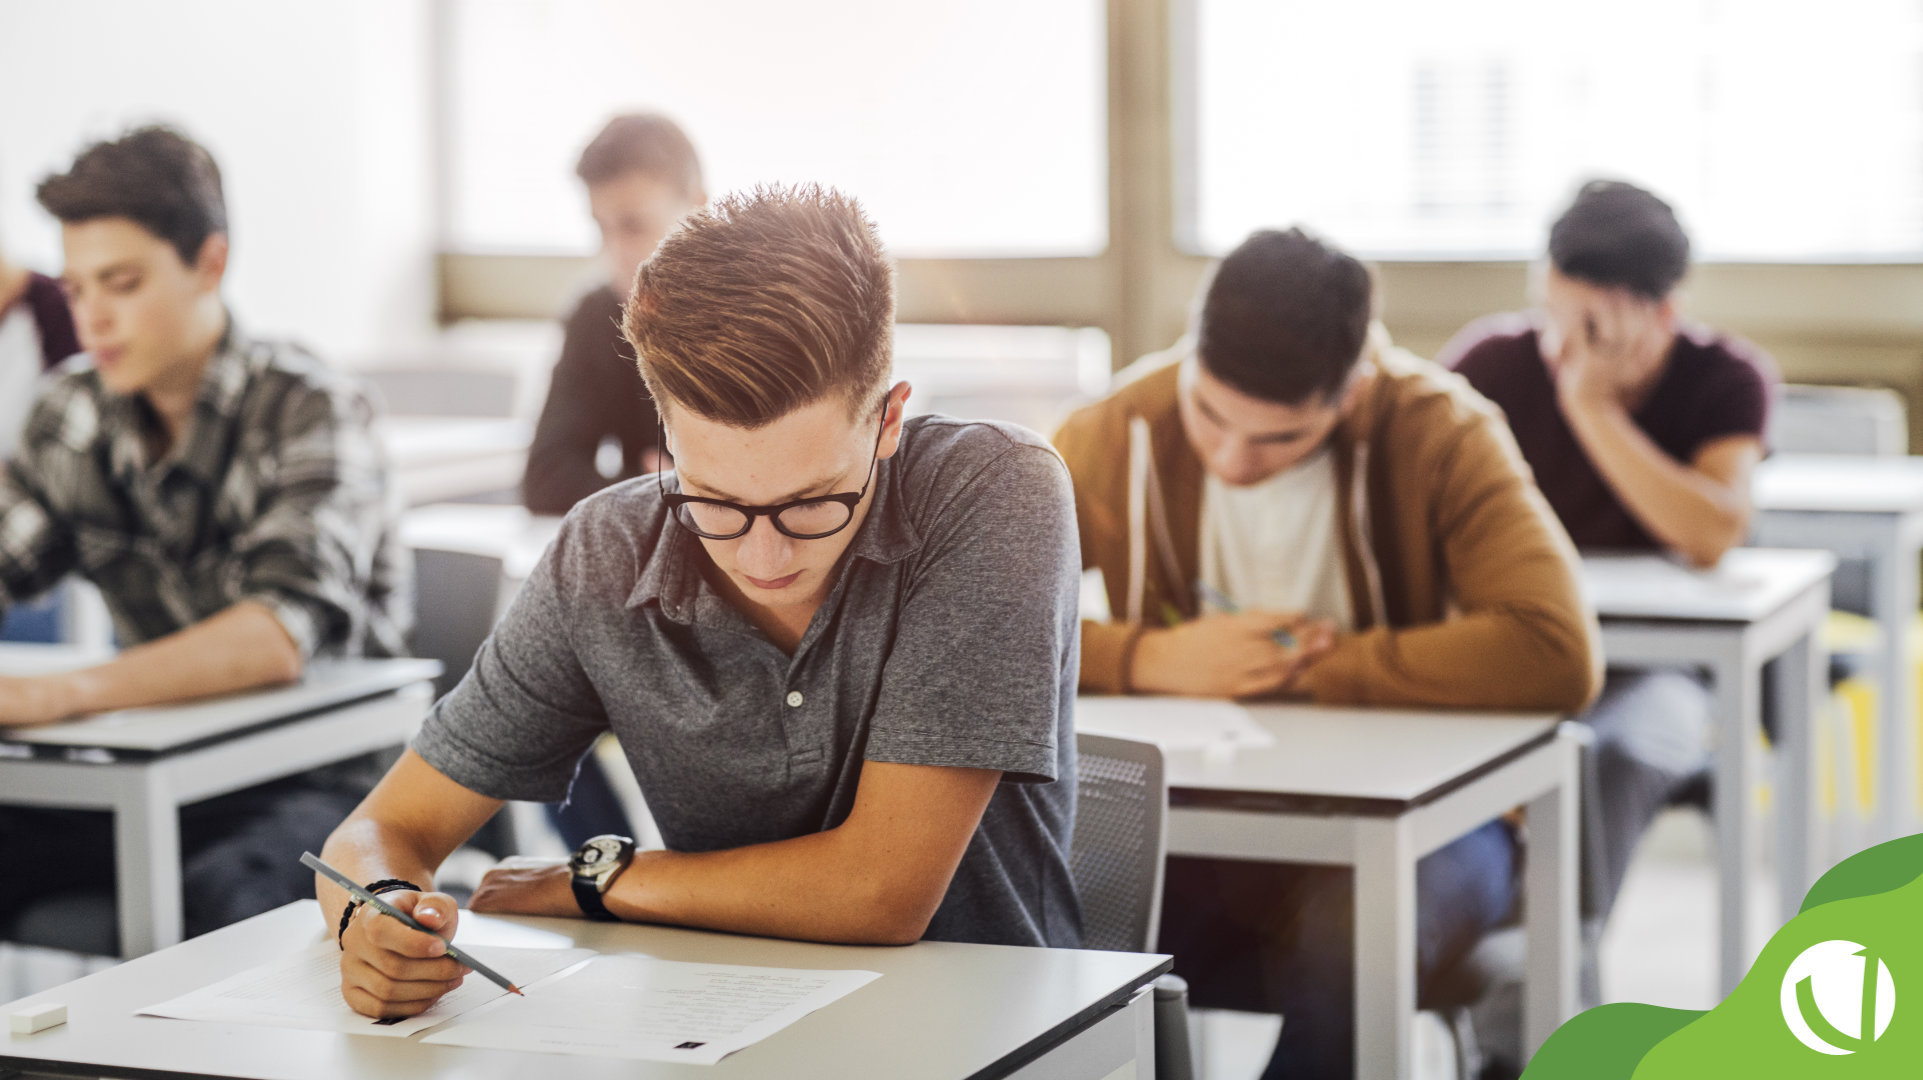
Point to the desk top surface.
(1375, 760)
(508, 533)
(167, 728)
(940, 1011)
(1839, 483)
(1748, 585)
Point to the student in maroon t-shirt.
(1642, 431)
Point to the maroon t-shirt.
(1712, 386)
(51, 317)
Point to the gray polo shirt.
(950, 637)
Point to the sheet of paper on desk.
(639, 1008)
(303, 990)
(1175, 723)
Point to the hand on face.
(1609, 349)
(1231, 656)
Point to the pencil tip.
(517, 990)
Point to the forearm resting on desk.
(240, 648)
(876, 879)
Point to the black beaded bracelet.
(385, 885)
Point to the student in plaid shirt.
(225, 494)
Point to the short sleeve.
(1734, 401)
(985, 654)
(519, 722)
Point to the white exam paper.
(643, 1009)
(303, 990)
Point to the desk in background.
(1375, 790)
(1757, 606)
(145, 764)
(436, 458)
(940, 1011)
(1868, 508)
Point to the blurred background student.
(642, 175)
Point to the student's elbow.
(283, 662)
(1708, 545)
(895, 909)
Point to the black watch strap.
(589, 897)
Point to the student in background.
(224, 493)
(36, 332)
(1370, 508)
(1642, 430)
(642, 176)
(837, 645)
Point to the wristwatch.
(594, 867)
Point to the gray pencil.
(313, 862)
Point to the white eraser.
(38, 1018)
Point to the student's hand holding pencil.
(389, 970)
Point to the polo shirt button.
(794, 699)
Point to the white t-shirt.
(1274, 546)
(20, 362)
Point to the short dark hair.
(1618, 235)
(160, 179)
(1285, 317)
(763, 303)
(642, 142)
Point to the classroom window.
(966, 129)
(1410, 129)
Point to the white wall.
(320, 116)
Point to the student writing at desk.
(1642, 430)
(223, 492)
(837, 646)
(1289, 460)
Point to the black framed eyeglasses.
(802, 519)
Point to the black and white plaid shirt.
(277, 492)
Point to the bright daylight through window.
(1419, 130)
(974, 129)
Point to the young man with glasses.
(839, 647)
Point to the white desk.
(448, 457)
(1758, 605)
(145, 764)
(1868, 508)
(940, 1011)
(1375, 790)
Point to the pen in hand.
(1213, 597)
(313, 862)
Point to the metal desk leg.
(1385, 948)
(1549, 904)
(1738, 718)
(1799, 677)
(147, 862)
(1893, 603)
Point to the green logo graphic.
(1821, 1000)
(1857, 1002)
